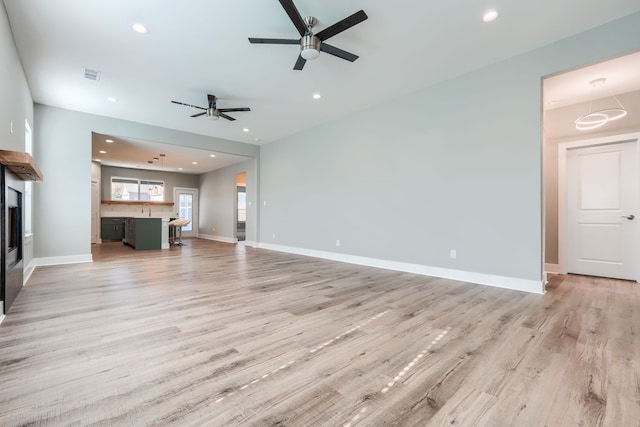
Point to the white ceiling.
(195, 47)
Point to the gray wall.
(455, 166)
(217, 201)
(62, 140)
(171, 179)
(16, 103)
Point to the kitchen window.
(137, 189)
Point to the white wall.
(455, 166)
(217, 202)
(62, 140)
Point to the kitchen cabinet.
(112, 229)
(143, 233)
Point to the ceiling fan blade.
(273, 41)
(332, 50)
(300, 63)
(225, 116)
(227, 110)
(188, 105)
(199, 114)
(294, 15)
(345, 24)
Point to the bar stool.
(176, 226)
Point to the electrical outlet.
(337, 242)
(213, 229)
(453, 254)
(274, 235)
(11, 128)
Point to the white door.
(186, 203)
(602, 206)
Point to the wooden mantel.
(21, 164)
(135, 202)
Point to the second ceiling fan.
(212, 111)
(312, 44)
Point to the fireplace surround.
(12, 232)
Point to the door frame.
(196, 208)
(235, 206)
(562, 188)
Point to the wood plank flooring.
(222, 335)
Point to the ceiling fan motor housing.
(213, 114)
(310, 46)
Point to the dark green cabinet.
(143, 233)
(112, 229)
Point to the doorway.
(567, 97)
(186, 203)
(241, 207)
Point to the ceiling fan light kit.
(595, 119)
(309, 47)
(213, 114)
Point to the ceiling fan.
(311, 44)
(212, 111)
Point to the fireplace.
(15, 168)
(12, 234)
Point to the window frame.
(139, 182)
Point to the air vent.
(91, 74)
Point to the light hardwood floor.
(219, 335)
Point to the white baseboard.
(58, 260)
(218, 238)
(552, 268)
(2, 316)
(251, 243)
(28, 271)
(532, 286)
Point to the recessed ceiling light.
(212, 155)
(316, 96)
(490, 15)
(179, 169)
(111, 99)
(257, 140)
(103, 152)
(139, 28)
(97, 160)
(245, 130)
(194, 163)
(110, 141)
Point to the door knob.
(629, 217)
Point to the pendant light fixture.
(597, 118)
